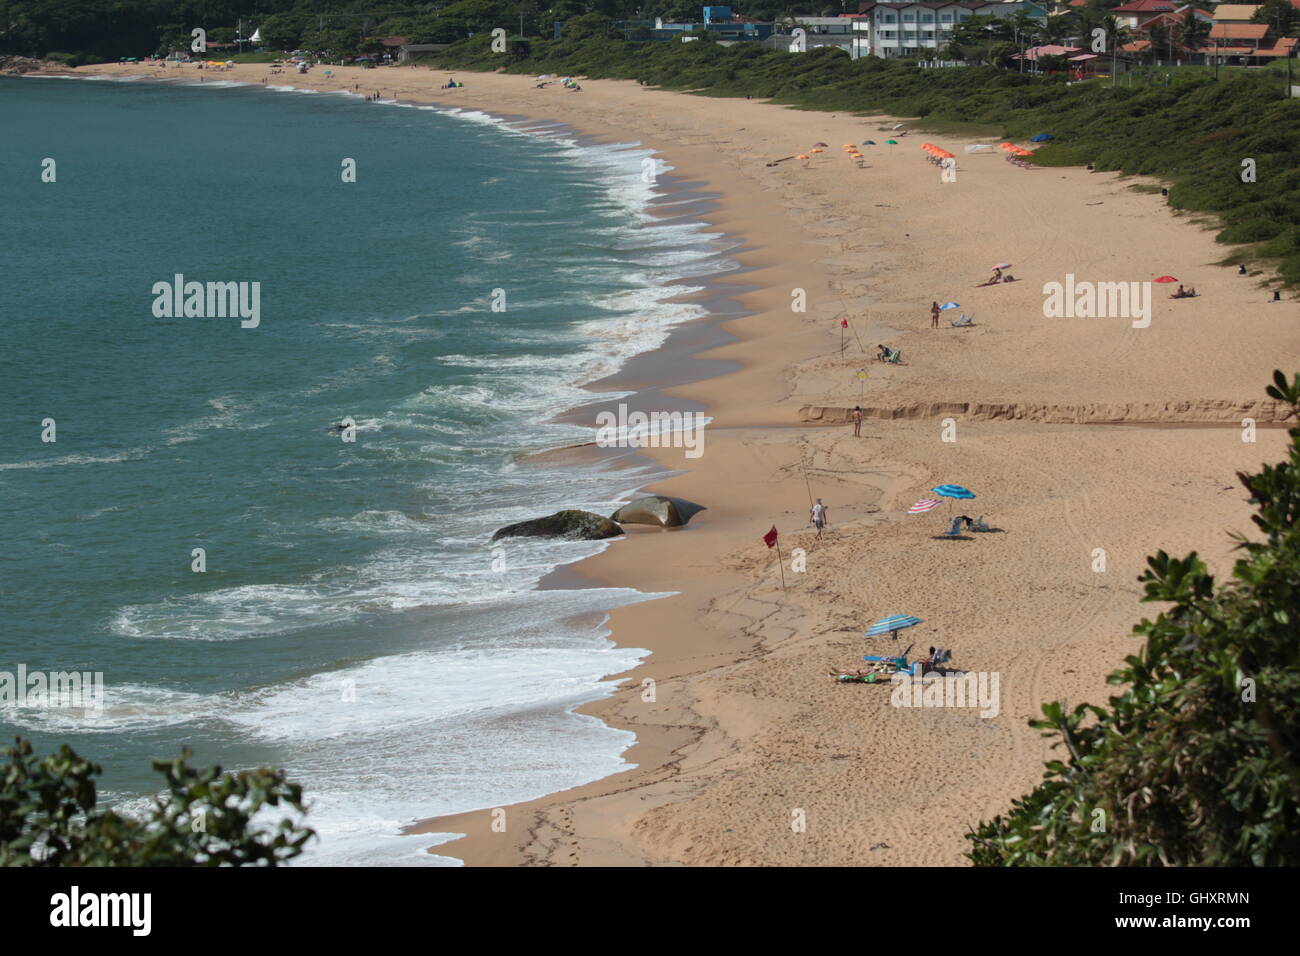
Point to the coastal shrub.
(1252, 230)
(49, 817)
(1289, 269)
(1194, 763)
(1283, 245)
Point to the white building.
(907, 29)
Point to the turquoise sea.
(350, 624)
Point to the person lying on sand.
(1188, 293)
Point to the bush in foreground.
(48, 816)
(1195, 763)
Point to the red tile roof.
(1281, 46)
(1146, 6)
(1238, 31)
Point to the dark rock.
(578, 525)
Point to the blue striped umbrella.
(892, 625)
(953, 491)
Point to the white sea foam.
(482, 718)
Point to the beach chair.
(955, 530)
(895, 356)
(964, 321)
(894, 664)
(979, 524)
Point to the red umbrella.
(1166, 279)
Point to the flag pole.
(780, 563)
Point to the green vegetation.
(48, 816)
(1183, 127)
(1194, 764)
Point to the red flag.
(769, 539)
(844, 323)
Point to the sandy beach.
(1090, 442)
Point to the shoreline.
(744, 726)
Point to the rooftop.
(1240, 12)
(1238, 31)
(1146, 6)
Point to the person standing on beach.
(857, 421)
(934, 315)
(817, 515)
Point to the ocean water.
(351, 624)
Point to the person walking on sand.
(934, 315)
(817, 515)
(857, 421)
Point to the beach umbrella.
(816, 151)
(820, 144)
(891, 142)
(892, 625)
(868, 142)
(1041, 138)
(1003, 265)
(949, 305)
(953, 491)
(1166, 279)
(924, 505)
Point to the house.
(1235, 12)
(1170, 49)
(1082, 64)
(1137, 13)
(409, 51)
(907, 29)
(1249, 43)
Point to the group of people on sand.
(933, 661)
(997, 278)
(1188, 293)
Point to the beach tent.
(657, 509)
(1041, 138)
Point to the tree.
(49, 817)
(1194, 764)
(1161, 41)
(1194, 33)
(1282, 18)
